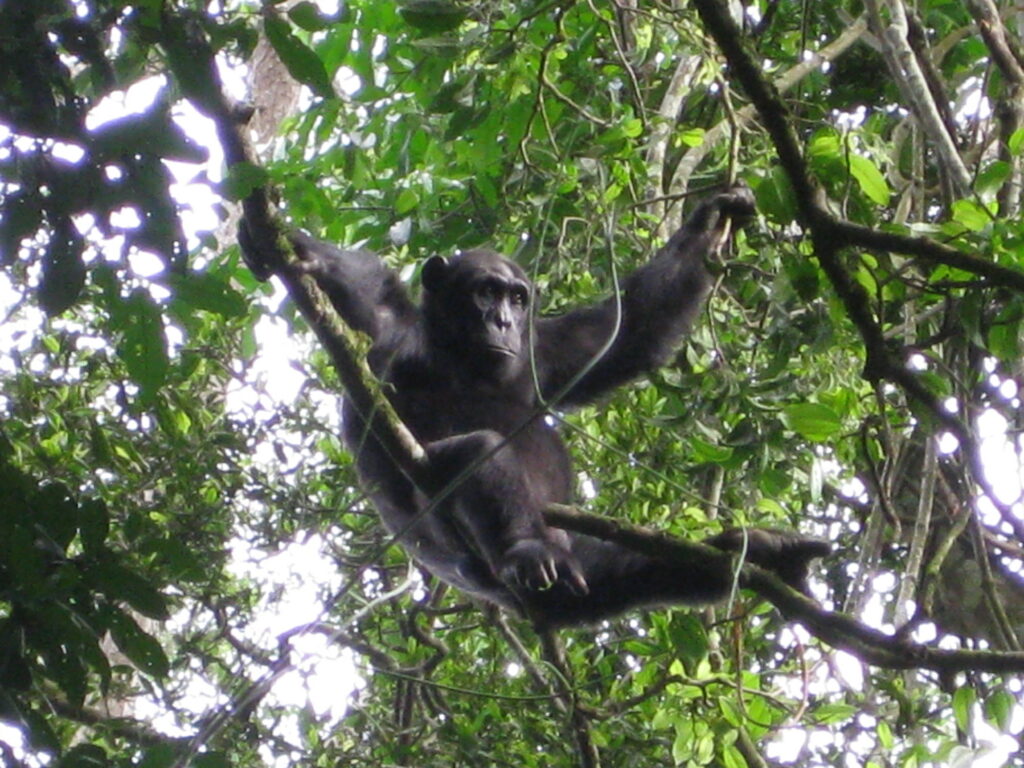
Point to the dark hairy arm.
(368, 296)
(659, 302)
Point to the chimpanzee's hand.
(538, 564)
(317, 259)
(735, 204)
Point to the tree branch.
(201, 83)
(913, 84)
(830, 235)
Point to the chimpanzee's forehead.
(483, 262)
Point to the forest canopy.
(189, 573)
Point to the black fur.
(471, 379)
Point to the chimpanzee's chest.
(436, 408)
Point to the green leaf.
(407, 200)
(999, 708)
(705, 452)
(159, 756)
(689, 639)
(692, 137)
(732, 757)
(119, 583)
(730, 712)
(813, 421)
(1016, 141)
(143, 347)
(241, 180)
(307, 16)
(211, 760)
(202, 290)
(833, 713)
(63, 270)
(871, 181)
(93, 524)
(432, 15)
(143, 649)
(57, 514)
(1004, 340)
(772, 507)
(825, 144)
(963, 700)
(992, 177)
(451, 96)
(300, 60)
(15, 674)
(83, 756)
(191, 60)
(884, 735)
(775, 196)
(632, 128)
(971, 215)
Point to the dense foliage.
(188, 575)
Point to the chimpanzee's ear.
(433, 272)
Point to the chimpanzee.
(472, 372)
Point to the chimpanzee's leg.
(620, 580)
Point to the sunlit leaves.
(963, 700)
(971, 215)
(870, 179)
(407, 200)
(432, 15)
(834, 158)
(143, 346)
(999, 707)
(1016, 141)
(814, 421)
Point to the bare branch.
(910, 79)
(1008, 57)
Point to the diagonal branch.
(912, 82)
(830, 236)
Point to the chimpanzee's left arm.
(659, 302)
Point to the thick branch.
(912, 83)
(1008, 57)
(134, 730)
